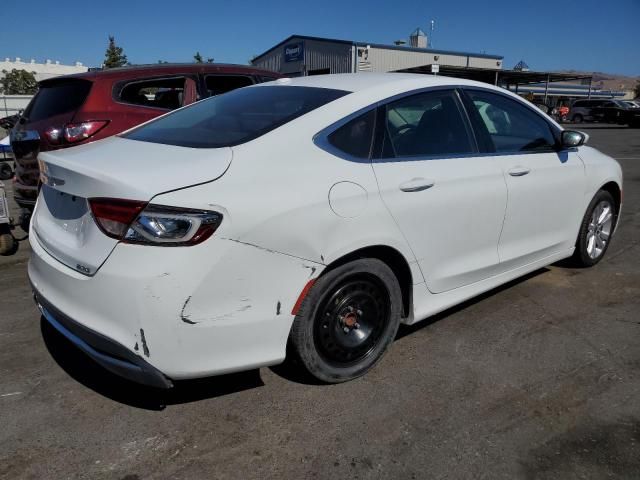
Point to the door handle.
(416, 185)
(519, 171)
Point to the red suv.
(81, 108)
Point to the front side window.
(512, 127)
(356, 136)
(166, 93)
(235, 117)
(426, 124)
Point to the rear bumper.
(203, 310)
(106, 352)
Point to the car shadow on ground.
(405, 330)
(84, 370)
(292, 372)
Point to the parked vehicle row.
(606, 111)
(306, 217)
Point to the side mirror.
(573, 139)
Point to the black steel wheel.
(347, 321)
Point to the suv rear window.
(235, 117)
(57, 97)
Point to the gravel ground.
(539, 379)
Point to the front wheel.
(577, 118)
(596, 230)
(347, 320)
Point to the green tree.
(114, 57)
(18, 82)
(198, 58)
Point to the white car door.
(545, 186)
(448, 200)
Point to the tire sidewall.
(581, 255)
(303, 329)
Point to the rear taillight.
(114, 216)
(75, 132)
(54, 135)
(136, 222)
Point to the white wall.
(12, 104)
(44, 70)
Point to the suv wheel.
(577, 118)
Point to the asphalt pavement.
(539, 379)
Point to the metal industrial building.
(304, 55)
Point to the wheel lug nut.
(345, 329)
(357, 326)
(359, 312)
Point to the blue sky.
(600, 35)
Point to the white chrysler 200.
(307, 216)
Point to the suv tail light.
(75, 132)
(132, 221)
(54, 135)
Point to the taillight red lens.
(133, 221)
(75, 132)
(114, 215)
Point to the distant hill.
(609, 80)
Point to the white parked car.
(316, 213)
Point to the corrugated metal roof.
(378, 45)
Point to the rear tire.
(596, 230)
(347, 321)
(6, 173)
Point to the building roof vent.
(418, 39)
(521, 66)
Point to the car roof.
(355, 82)
(135, 71)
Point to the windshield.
(235, 117)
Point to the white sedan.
(307, 217)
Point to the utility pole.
(433, 24)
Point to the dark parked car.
(81, 108)
(613, 111)
(607, 111)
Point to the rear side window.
(427, 124)
(234, 118)
(356, 136)
(57, 97)
(219, 84)
(512, 127)
(166, 93)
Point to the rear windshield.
(235, 117)
(55, 98)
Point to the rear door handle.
(519, 171)
(416, 185)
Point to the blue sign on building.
(294, 52)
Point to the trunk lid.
(112, 168)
